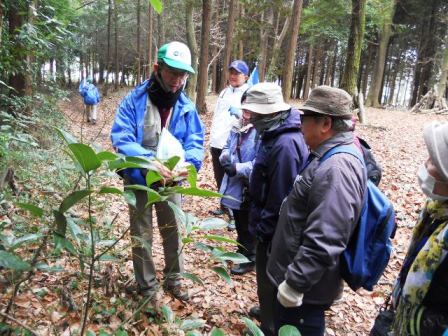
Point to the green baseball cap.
(176, 55)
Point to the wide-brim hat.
(329, 101)
(176, 55)
(265, 98)
(436, 139)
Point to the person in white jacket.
(228, 107)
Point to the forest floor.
(397, 142)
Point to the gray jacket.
(315, 224)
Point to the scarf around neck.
(428, 249)
(159, 94)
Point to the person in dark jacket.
(318, 217)
(420, 295)
(237, 158)
(158, 103)
(280, 157)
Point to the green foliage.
(288, 330)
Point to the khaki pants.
(91, 112)
(141, 226)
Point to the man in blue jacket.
(91, 98)
(157, 103)
(280, 157)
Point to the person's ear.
(327, 123)
(156, 67)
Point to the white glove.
(288, 296)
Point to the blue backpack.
(368, 251)
(90, 95)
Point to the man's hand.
(164, 171)
(230, 169)
(288, 296)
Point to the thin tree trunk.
(395, 69)
(265, 29)
(276, 49)
(378, 71)
(365, 79)
(203, 60)
(150, 38)
(117, 69)
(1, 22)
(309, 72)
(191, 38)
(138, 60)
(161, 29)
(442, 83)
(228, 44)
(291, 49)
(354, 47)
(316, 64)
(109, 20)
(335, 62)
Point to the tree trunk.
(117, 69)
(291, 49)
(191, 39)
(161, 29)
(16, 19)
(354, 47)
(109, 20)
(316, 64)
(276, 49)
(365, 77)
(309, 72)
(203, 60)
(378, 71)
(442, 83)
(267, 17)
(138, 60)
(228, 44)
(395, 69)
(1, 22)
(335, 62)
(150, 39)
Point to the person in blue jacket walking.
(157, 103)
(91, 98)
(237, 158)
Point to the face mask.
(427, 183)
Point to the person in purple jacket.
(280, 157)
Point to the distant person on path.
(228, 107)
(91, 97)
(420, 296)
(318, 217)
(237, 158)
(281, 155)
(157, 103)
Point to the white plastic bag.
(169, 146)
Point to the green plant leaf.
(167, 314)
(130, 198)
(63, 243)
(193, 191)
(191, 324)
(187, 240)
(157, 5)
(68, 138)
(108, 257)
(107, 156)
(25, 239)
(212, 224)
(217, 332)
(192, 277)
(47, 268)
(236, 258)
(289, 330)
(204, 247)
(193, 333)
(192, 177)
(255, 331)
(152, 176)
(85, 156)
(171, 162)
(72, 199)
(221, 239)
(222, 272)
(110, 190)
(11, 261)
(121, 332)
(34, 210)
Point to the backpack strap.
(349, 149)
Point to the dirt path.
(396, 138)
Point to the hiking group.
(303, 198)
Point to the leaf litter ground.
(397, 142)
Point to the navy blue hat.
(240, 66)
